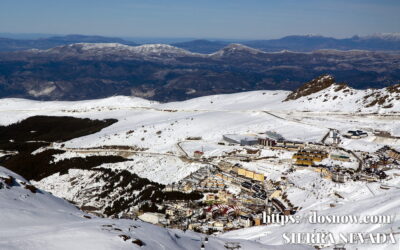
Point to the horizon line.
(36, 36)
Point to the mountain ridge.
(325, 89)
(303, 43)
(167, 73)
(34, 219)
(99, 49)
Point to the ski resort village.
(218, 165)
(257, 177)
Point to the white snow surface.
(42, 221)
(107, 48)
(384, 204)
(236, 47)
(159, 127)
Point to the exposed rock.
(312, 87)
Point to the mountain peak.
(115, 48)
(237, 48)
(81, 47)
(88, 46)
(394, 88)
(384, 36)
(314, 86)
(160, 49)
(241, 47)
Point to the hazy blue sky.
(242, 19)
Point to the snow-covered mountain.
(162, 51)
(381, 205)
(325, 94)
(236, 49)
(34, 219)
(322, 94)
(379, 41)
(153, 139)
(167, 73)
(106, 49)
(384, 36)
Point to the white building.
(153, 218)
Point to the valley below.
(165, 73)
(210, 167)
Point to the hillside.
(202, 46)
(99, 50)
(166, 73)
(312, 87)
(388, 42)
(305, 43)
(34, 219)
(9, 44)
(379, 205)
(327, 94)
(132, 148)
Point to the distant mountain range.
(166, 73)
(378, 42)
(8, 44)
(311, 43)
(384, 42)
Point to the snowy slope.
(385, 36)
(345, 99)
(41, 221)
(46, 222)
(336, 98)
(159, 127)
(102, 49)
(386, 204)
(235, 48)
